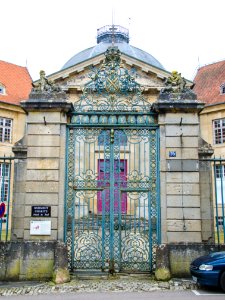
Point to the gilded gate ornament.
(112, 88)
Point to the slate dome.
(118, 36)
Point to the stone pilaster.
(19, 189)
(206, 191)
(45, 166)
(179, 167)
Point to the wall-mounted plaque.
(172, 154)
(41, 211)
(40, 227)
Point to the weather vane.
(113, 26)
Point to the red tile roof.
(17, 82)
(208, 81)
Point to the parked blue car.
(209, 269)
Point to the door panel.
(120, 179)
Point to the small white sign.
(40, 227)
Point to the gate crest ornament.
(112, 77)
(112, 88)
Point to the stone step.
(98, 274)
(89, 274)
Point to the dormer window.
(2, 89)
(222, 89)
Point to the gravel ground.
(110, 284)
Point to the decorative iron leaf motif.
(112, 88)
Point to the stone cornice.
(177, 106)
(42, 104)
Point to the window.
(2, 89)
(5, 130)
(219, 220)
(220, 170)
(219, 131)
(4, 181)
(222, 89)
(220, 183)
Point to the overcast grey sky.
(44, 34)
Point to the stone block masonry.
(174, 259)
(43, 169)
(179, 170)
(28, 260)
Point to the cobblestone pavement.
(110, 284)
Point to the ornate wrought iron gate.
(112, 185)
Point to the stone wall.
(173, 260)
(29, 260)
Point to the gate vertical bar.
(111, 266)
(8, 199)
(2, 190)
(5, 193)
(69, 202)
(222, 195)
(158, 187)
(216, 202)
(66, 185)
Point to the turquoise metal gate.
(112, 209)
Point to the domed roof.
(118, 36)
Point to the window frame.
(218, 131)
(2, 89)
(220, 171)
(4, 181)
(6, 130)
(222, 89)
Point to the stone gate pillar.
(186, 216)
(43, 194)
(178, 119)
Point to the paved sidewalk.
(110, 284)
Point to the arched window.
(222, 89)
(2, 89)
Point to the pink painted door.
(120, 181)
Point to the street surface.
(156, 295)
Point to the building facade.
(209, 86)
(110, 163)
(15, 86)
